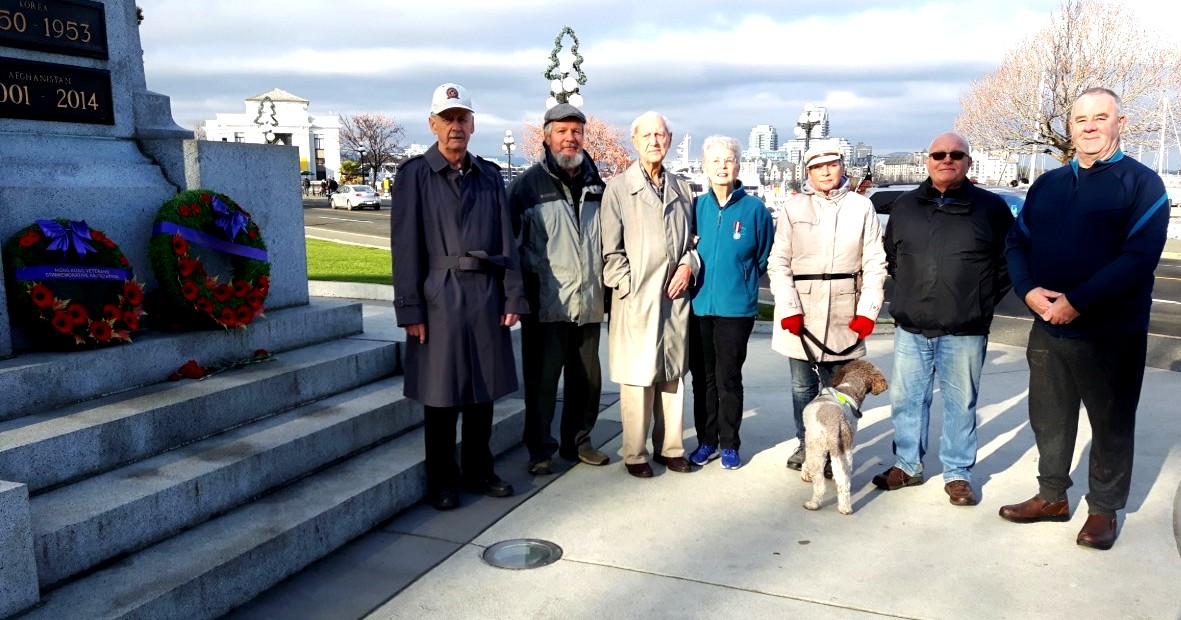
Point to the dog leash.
(812, 358)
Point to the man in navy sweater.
(1081, 254)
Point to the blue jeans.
(805, 385)
(958, 361)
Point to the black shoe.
(447, 499)
(492, 486)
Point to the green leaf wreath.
(72, 285)
(189, 297)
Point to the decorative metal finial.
(563, 86)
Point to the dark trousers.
(550, 351)
(1105, 376)
(442, 472)
(805, 385)
(717, 351)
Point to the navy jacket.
(456, 270)
(1094, 234)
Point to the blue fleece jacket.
(1094, 234)
(735, 240)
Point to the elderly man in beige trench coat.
(650, 259)
(828, 271)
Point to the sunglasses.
(955, 155)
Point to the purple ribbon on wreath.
(74, 235)
(231, 221)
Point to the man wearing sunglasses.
(1082, 257)
(945, 249)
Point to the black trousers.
(717, 351)
(442, 472)
(550, 351)
(1105, 376)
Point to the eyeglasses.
(955, 155)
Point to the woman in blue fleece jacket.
(736, 232)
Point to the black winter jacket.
(946, 254)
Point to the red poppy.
(264, 282)
(195, 208)
(227, 317)
(78, 313)
(111, 312)
(62, 322)
(42, 296)
(183, 210)
(133, 293)
(205, 197)
(203, 304)
(185, 266)
(189, 290)
(252, 233)
(241, 287)
(261, 353)
(254, 299)
(179, 246)
(100, 330)
(244, 314)
(131, 320)
(123, 261)
(190, 370)
(97, 235)
(222, 293)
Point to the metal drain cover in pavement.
(522, 553)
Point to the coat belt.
(472, 261)
(826, 276)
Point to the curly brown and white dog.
(830, 422)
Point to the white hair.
(650, 115)
(724, 142)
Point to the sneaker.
(541, 468)
(796, 460)
(730, 459)
(704, 454)
(591, 456)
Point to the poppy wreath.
(188, 296)
(74, 287)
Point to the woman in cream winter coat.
(827, 270)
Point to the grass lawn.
(340, 262)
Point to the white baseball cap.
(450, 96)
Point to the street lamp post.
(361, 157)
(809, 119)
(509, 145)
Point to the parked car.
(355, 197)
(1015, 197)
(883, 197)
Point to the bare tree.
(379, 135)
(605, 143)
(1024, 105)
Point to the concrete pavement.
(738, 543)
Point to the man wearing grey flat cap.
(555, 205)
(456, 274)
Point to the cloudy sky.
(890, 72)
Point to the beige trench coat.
(816, 234)
(644, 240)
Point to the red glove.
(793, 323)
(862, 325)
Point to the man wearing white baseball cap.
(455, 271)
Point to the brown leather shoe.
(639, 470)
(894, 478)
(1036, 510)
(677, 464)
(1098, 532)
(961, 493)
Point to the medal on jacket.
(737, 230)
